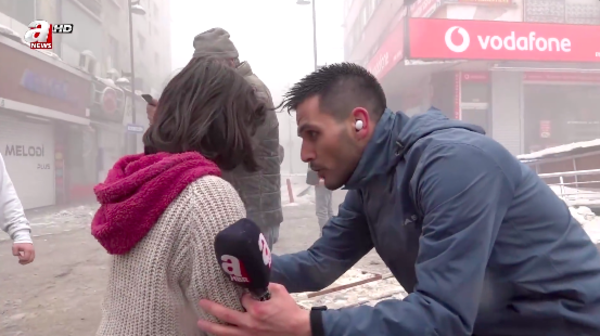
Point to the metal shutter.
(507, 127)
(33, 176)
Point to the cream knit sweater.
(154, 289)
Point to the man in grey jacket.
(260, 191)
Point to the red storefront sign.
(495, 40)
(561, 77)
(28, 79)
(545, 128)
(389, 54)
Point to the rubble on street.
(355, 288)
(63, 220)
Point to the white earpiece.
(359, 125)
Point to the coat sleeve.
(12, 215)
(201, 276)
(346, 238)
(464, 196)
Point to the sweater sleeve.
(217, 206)
(12, 215)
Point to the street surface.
(60, 293)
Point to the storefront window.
(560, 114)
(474, 103)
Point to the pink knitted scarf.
(137, 191)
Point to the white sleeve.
(12, 215)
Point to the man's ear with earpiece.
(359, 125)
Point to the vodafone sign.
(494, 40)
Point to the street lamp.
(314, 19)
(315, 66)
(138, 9)
(133, 7)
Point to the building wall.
(86, 33)
(115, 36)
(366, 26)
(17, 14)
(562, 11)
(108, 22)
(351, 12)
(152, 38)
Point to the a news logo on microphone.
(236, 269)
(244, 255)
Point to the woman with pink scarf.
(161, 210)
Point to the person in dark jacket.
(483, 246)
(260, 191)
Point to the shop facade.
(107, 113)
(43, 110)
(561, 109)
(529, 85)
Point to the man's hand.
(279, 316)
(151, 110)
(25, 252)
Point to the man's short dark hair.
(211, 109)
(341, 87)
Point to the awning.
(41, 111)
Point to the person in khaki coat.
(261, 190)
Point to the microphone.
(244, 255)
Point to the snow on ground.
(589, 221)
(72, 218)
(560, 149)
(576, 197)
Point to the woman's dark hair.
(211, 109)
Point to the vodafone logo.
(512, 42)
(496, 40)
(466, 39)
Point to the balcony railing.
(577, 193)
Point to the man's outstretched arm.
(464, 196)
(346, 238)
